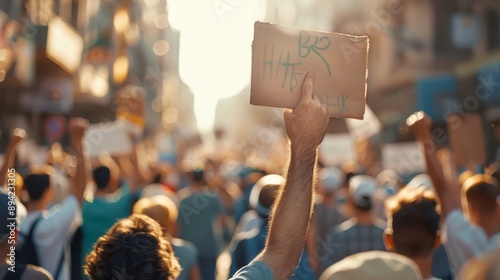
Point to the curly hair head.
(132, 249)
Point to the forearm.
(7, 164)
(435, 171)
(80, 178)
(292, 210)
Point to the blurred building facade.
(439, 56)
(70, 57)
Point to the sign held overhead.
(282, 55)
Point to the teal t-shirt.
(101, 214)
(187, 255)
(256, 270)
(197, 220)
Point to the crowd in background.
(212, 216)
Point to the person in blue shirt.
(306, 127)
(252, 239)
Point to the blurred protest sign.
(336, 149)
(404, 158)
(467, 139)
(67, 54)
(130, 109)
(108, 137)
(436, 94)
(282, 55)
(366, 128)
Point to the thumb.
(307, 88)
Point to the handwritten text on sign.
(282, 55)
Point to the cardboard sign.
(366, 128)
(109, 137)
(281, 56)
(404, 158)
(467, 139)
(336, 149)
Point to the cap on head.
(263, 193)
(331, 179)
(362, 188)
(419, 181)
(373, 265)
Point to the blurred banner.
(366, 128)
(488, 78)
(110, 137)
(336, 149)
(64, 44)
(436, 94)
(404, 158)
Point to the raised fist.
(420, 124)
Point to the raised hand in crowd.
(77, 128)
(306, 127)
(420, 126)
(16, 136)
(477, 229)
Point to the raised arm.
(77, 127)
(16, 136)
(306, 126)
(420, 125)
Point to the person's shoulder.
(454, 216)
(345, 226)
(184, 245)
(379, 224)
(36, 273)
(184, 193)
(256, 270)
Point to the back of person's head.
(37, 185)
(373, 265)
(330, 180)
(362, 189)
(134, 248)
(264, 192)
(159, 208)
(479, 196)
(101, 176)
(413, 222)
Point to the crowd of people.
(116, 218)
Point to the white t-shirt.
(52, 234)
(463, 241)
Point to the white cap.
(331, 179)
(362, 188)
(421, 180)
(271, 179)
(373, 265)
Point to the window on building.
(492, 30)
(447, 13)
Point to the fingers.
(19, 132)
(307, 88)
(415, 117)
